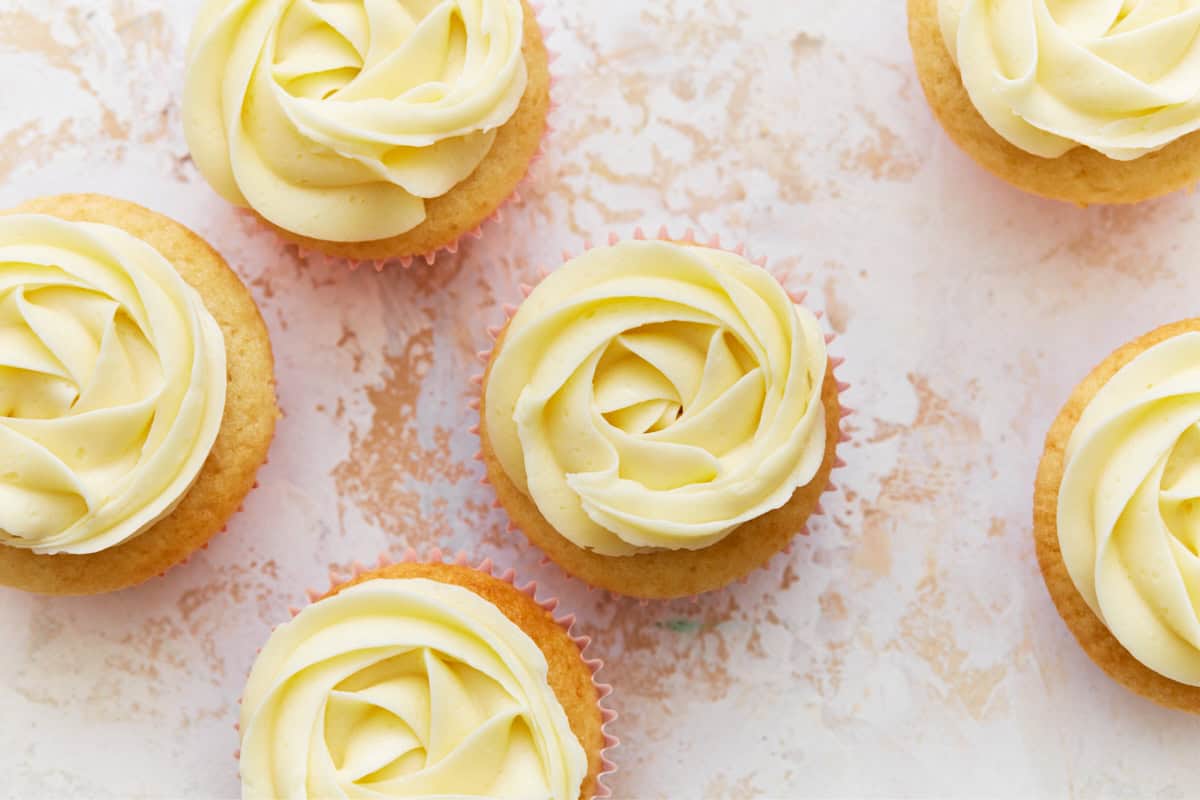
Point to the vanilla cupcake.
(136, 396)
(423, 680)
(1083, 102)
(368, 131)
(1117, 518)
(660, 418)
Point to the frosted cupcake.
(1083, 102)
(136, 394)
(1116, 515)
(364, 130)
(660, 418)
(422, 681)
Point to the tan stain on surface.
(874, 551)
(144, 29)
(655, 648)
(725, 788)
(833, 605)
(882, 156)
(827, 673)
(146, 33)
(22, 32)
(917, 482)
(1116, 238)
(29, 146)
(803, 45)
(388, 463)
(914, 502)
(928, 631)
(837, 310)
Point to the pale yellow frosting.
(656, 396)
(337, 120)
(112, 385)
(1128, 515)
(405, 688)
(1119, 76)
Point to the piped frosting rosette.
(336, 121)
(1129, 507)
(112, 385)
(655, 396)
(405, 688)
(1119, 76)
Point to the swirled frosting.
(337, 120)
(1129, 507)
(112, 385)
(405, 688)
(654, 395)
(1119, 76)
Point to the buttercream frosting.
(1119, 76)
(112, 385)
(655, 396)
(336, 121)
(1128, 522)
(405, 688)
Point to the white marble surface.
(907, 649)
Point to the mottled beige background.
(906, 649)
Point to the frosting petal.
(405, 688)
(1127, 523)
(337, 120)
(112, 385)
(1119, 76)
(654, 395)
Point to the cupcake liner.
(309, 255)
(688, 237)
(488, 567)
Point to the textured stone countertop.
(906, 649)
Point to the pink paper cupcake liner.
(688, 237)
(486, 566)
(309, 255)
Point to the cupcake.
(423, 680)
(660, 418)
(1116, 517)
(1083, 102)
(367, 131)
(137, 397)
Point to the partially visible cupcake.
(368, 131)
(422, 680)
(1117, 515)
(137, 396)
(660, 417)
(1082, 102)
